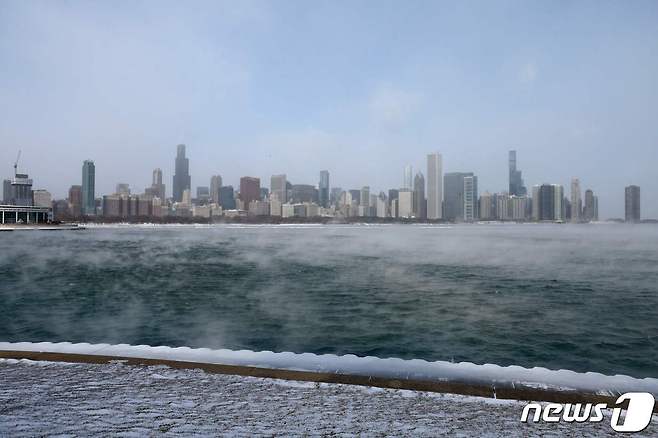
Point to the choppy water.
(583, 298)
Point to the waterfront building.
(42, 198)
(419, 202)
(407, 177)
(454, 196)
(632, 204)
(394, 208)
(382, 206)
(6, 191)
(518, 206)
(158, 188)
(548, 202)
(122, 189)
(60, 210)
(187, 198)
(405, 203)
(278, 187)
(335, 195)
(215, 185)
(275, 206)
(323, 189)
(249, 189)
(227, 198)
(591, 210)
(435, 186)
(503, 210)
(301, 193)
(287, 210)
(24, 214)
(88, 188)
(202, 195)
(75, 201)
(576, 201)
(516, 187)
(182, 178)
(312, 209)
(486, 209)
(21, 190)
(364, 196)
(259, 208)
(356, 196)
(470, 198)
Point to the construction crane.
(16, 163)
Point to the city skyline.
(469, 80)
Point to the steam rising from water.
(575, 297)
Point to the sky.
(360, 88)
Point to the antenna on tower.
(16, 163)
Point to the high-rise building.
(75, 201)
(419, 201)
(122, 189)
(365, 196)
(632, 204)
(88, 188)
(182, 179)
(407, 177)
(42, 198)
(227, 198)
(303, 193)
(335, 195)
(202, 195)
(470, 198)
(323, 187)
(486, 209)
(434, 186)
(454, 196)
(6, 191)
(356, 195)
(158, 188)
(516, 186)
(21, 190)
(591, 210)
(249, 190)
(576, 201)
(278, 187)
(405, 203)
(548, 202)
(215, 185)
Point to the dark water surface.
(583, 298)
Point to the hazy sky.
(360, 88)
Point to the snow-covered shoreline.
(510, 378)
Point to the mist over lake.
(583, 298)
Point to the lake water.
(583, 298)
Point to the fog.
(574, 297)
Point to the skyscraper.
(548, 202)
(324, 188)
(591, 210)
(215, 185)
(88, 188)
(632, 204)
(516, 186)
(182, 179)
(405, 203)
(157, 187)
(576, 201)
(278, 187)
(75, 201)
(6, 191)
(227, 198)
(454, 196)
(434, 186)
(249, 189)
(470, 198)
(407, 177)
(419, 201)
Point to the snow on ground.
(47, 398)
